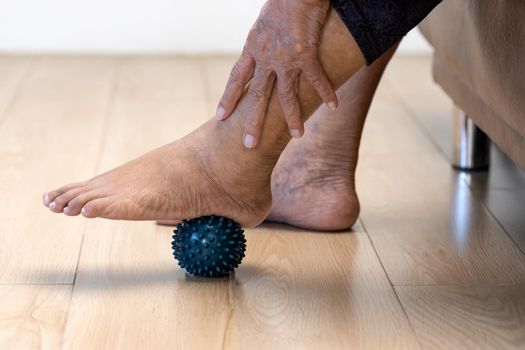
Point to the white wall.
(133, 26)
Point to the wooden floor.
(436, 262)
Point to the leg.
(209, 171)
(471, 144)
(313, 182)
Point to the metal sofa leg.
(471, 144)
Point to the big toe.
(100, 207)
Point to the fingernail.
(296, 133)
(52, 205)
(46, 198)
(332, 105)
(220, 113)
(249, 141)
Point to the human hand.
(282, 44)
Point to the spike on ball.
(196, 247)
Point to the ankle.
(245, 188)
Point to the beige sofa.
(479, 61)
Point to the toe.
(58, 204)
(50, 196)
(45, 199)
(76, 204)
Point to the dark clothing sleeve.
(377, 25)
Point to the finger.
(240, 75)
(289, 103)
(314, 73)
(256, 102)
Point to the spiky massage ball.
(209, 246)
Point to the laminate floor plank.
(508, 207)
(447, 317)
(428, 228)
(390, 129)
(424, 221)
(305, 290)
(12, 71)
(448, 242)
(51, 136)
(169, 79)
(129, 292)
(410, 79)
(503, 174)
(33, 316)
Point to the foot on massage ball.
(209, 246)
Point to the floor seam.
(491, 214)
(231, 312)
(412, 115)
(392, 287)
(105, 122)
(72, 292)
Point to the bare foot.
(313, 183)
(185, 179)
(209, 171)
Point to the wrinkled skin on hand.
(282, 44)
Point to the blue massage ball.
(209, 246)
